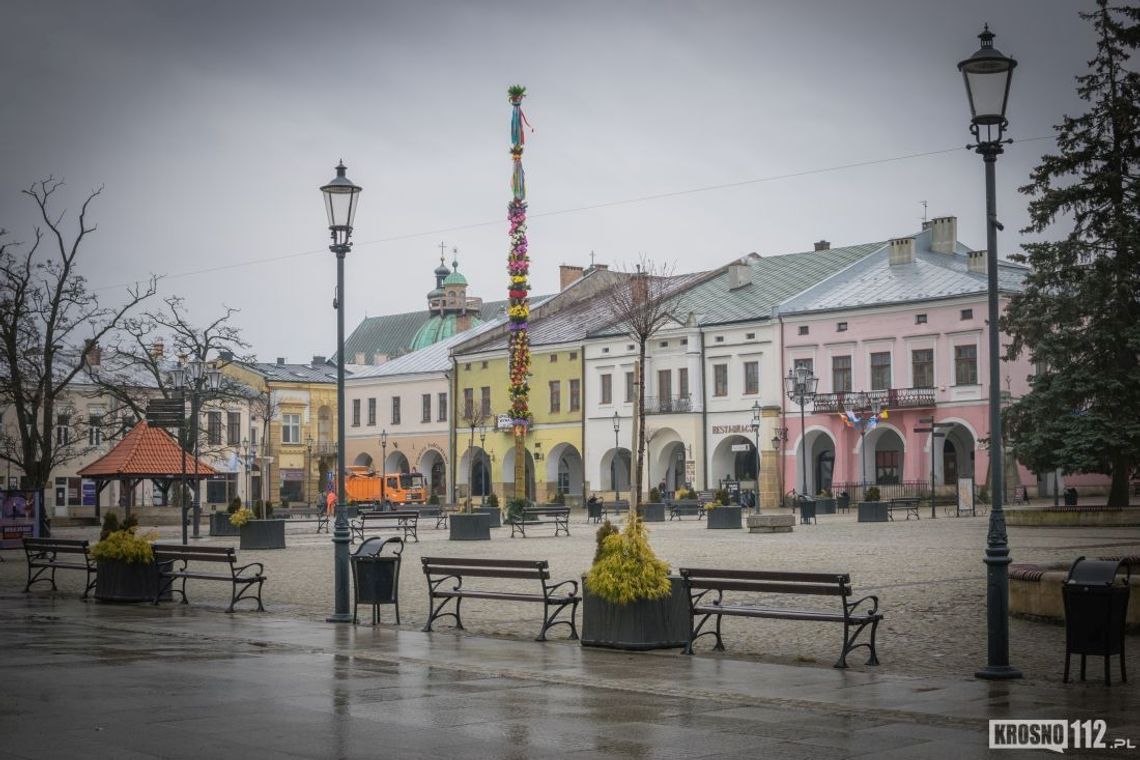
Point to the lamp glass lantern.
(341, 195)
(178, 377)
(987, 75)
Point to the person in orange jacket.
(330, 503)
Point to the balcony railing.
(670, 404)
(891, 398)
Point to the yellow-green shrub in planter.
(125, 567)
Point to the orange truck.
(396, 488)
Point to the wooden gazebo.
(144, 453)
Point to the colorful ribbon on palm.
(518, 270)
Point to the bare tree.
(639, 304)
(49, 322)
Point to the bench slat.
(457, 561)
(766, 575)
(761, 587)
(487, 572)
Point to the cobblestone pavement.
(928, 574)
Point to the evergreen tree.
(1079, 315)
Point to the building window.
(290, 428)
(62, 429)
(573, 356)
(841, 374)
(840, 327)
(575, 394)
(468, 403)
(553, 358)
(967, 314)
(922, 368)
(881, 371)
(607, 394)
(395, 410)
(555, 396)
(356, 412)
(684, 341)
(808, 364)
(751, 378)
(372, 411)
(803, 330)
(466, 366)
(720, 379)
(629, 395)
(425, 415)
(233, 428)
(750, 336)
(441, 412)
(965, 365)
(663, 344)
(920, 319)
(719, 339)
(94, 426)
(214, 428)
(683, 383)
(886, 467)
(484, 365)
(485, 401)
(605, 349)
(252, 435)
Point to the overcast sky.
(212, 125)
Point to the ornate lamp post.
(800, 385)
(482, 465)
(613, 464)
(755, 425)
(863, 415)
(341, 196)
(987, 74)
(249, 455)
(778, 446)
(383, 465)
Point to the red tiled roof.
(145, 452)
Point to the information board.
(19, 517)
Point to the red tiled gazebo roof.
(145, 452)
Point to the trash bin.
(1070, 497)
(807, 510)
(376, 576)
(1096, 602)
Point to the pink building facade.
(904, 331)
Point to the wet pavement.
(94, 680)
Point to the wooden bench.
(908, 505)
(295, 515)
(559, 517)
(44, 557)
(619, 507)
(174, 563)
(405, 521)
(688, 508)
(707, 587)
(437, 511)
(445, 576)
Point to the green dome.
(438, 328)
(455, 279)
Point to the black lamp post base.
(339, 618)
(998, 673)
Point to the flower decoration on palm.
(518, 270)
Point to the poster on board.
(966, 496)
(19, 517)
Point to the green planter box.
(824, 506)
(646, 624)
(263, 534)
(652, 512)
(220, 524)
(724, 518)
(873, 511)
(470, 527)
(119, 581)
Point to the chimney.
(568, 275)
(640, 286)
(976, 262)
(739, 275)
(157, 349)
(943, 234)
(280, 361)
(318, 360)
(902, 251)
(463, 322)
(823, 245)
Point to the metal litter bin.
(807, 510)
(376, 576)
(1070, 497)
(1096, 602)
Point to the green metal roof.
(455, 279)
(439, 328)
(392, 334)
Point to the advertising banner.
(19, 517)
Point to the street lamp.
(864, 415)
(308, 466)
(482, 465)
(800, 385)
(383, 465)
(197, 380)
(613, 463)
(341, 196)
(987, 74)
(756, 433)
